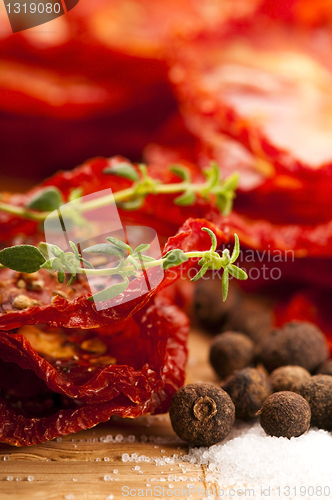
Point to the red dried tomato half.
(257, 94)
(81, 366)
(161, 214)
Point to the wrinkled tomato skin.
(113, 390)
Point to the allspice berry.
(231, 351)
(318, 392)
(325, 368)
(297, 343)
(285, 414)
(254, 318)
(201, 414)
(248, 389)
(284, 377)
(208, 307)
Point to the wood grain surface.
(76, 466)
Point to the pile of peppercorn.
(282, 375)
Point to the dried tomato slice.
(142, 28)
(85, 376)
(75, 310)
(77, 397)
(303, 12)
(259, 234)
(265, 83)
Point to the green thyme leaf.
(57, 252)
(46, 200)
(75, 249)
(75, 194)
(213, 238)
(61, 276)
(213, 175)
(145, 258)
(132, 261)
(224, 204)
(225, 284)
(237, 272)
(48, 265)
(110, 292)
(232, 182)
(236, 249)
(71, 279)
(181, 172)
(43, 248)
(226, 259)
(22, 258)
(123, 170)
(70, 267)
(106, 249)
(201, 272)
(120, 244)
(174, 258)
(141, 248)
(132, 204)
(144, 170)
(186, 199)
(87, 263)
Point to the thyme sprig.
(130, 262)
(214, 189)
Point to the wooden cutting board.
(76, 466)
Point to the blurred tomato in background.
(246, 83)
(91, 82)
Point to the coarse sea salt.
(248, 458)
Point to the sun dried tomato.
(304, 12)
(258, 234)
(70, 394)
(126, 360)
(75, 310)
(265, 84)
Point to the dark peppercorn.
(318, 392)
(297, 343)
(283, 378)
(248, 389)
(253, 317)
(202, 414)
(231, 351)
(285, 414)
(208, 307)
(325, 368)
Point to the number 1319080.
(25, 14)
(33, 8)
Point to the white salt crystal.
(107, 477)
(250, 458)
(30, 478)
